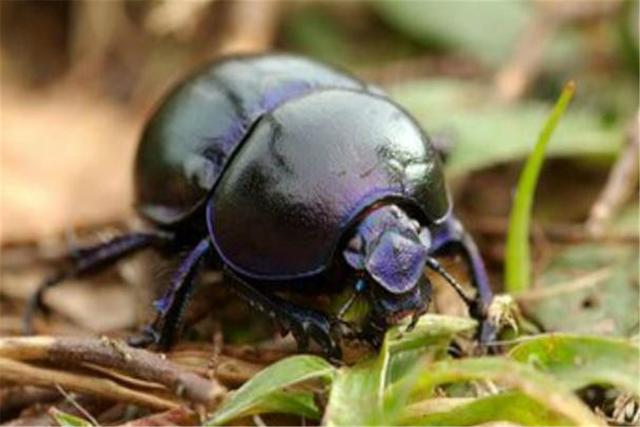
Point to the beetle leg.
(90, 260)
(171, 305)
(304, 323)
(452, 237)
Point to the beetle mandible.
(291, 175)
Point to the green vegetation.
(410, 381)
(518, 255)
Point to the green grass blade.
(264, 392)
(511, 407)
(542, 387)
(518, 260)
(64, 419)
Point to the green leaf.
(544, 389)
(264, 392)
(65, 419)
(300, 403)
(588, 288)
(353, 398)
(579, 361)
(511, 407)
(483, 133)
(361, 394)
(429, 330)
(518, 258)
(430, 338)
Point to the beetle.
(290, 175)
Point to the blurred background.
(79, 78)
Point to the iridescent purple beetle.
(291, 176)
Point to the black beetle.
(290, 175)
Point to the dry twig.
(622, 182)
(112, 354)
(526, 61)
(22, 373)
(514, 78)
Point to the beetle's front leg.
(171, 305)
(451, 237)
(302, 322)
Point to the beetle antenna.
(435, 266)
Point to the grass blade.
(518, 260)
(64, 419)
(543, 388)
(510, 407)
(264, 392)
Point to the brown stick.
(114, 354)
(526, 61)
(622, 182)
(513, 80)
(22, 373)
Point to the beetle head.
(391, 250)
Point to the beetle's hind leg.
(90, 260)
(304, 323)
(171, 305)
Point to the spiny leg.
(304, 323)
(171, 305)
(451, 237)
(91, 260)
